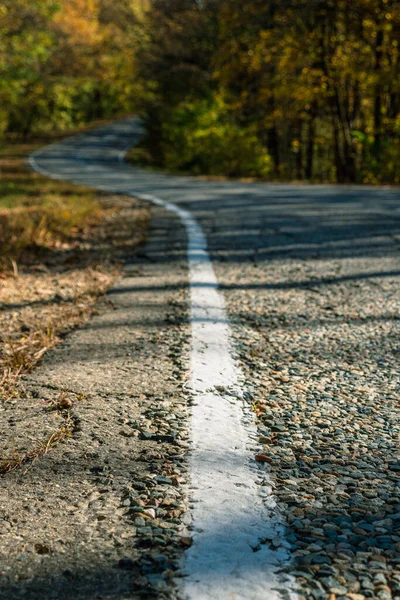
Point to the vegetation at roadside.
(66, 62)
(38, 214)
(41, 222)
(62, 247)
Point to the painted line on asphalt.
(234, 516)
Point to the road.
(304, 324)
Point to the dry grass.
(14, 460)
(38, 309)
(37, 214)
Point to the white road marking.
(234, 516)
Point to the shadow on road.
(310, 277)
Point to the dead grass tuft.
(14, 460)
(21, 355)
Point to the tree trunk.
(299, 153)
(310, 148)
(273, 146)
(378, 90)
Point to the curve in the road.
(233, 514)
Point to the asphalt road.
(310, 275)
(243, 221)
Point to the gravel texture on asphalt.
(103, 513)
(318, 338)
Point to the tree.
(67, 62)
(317, 80)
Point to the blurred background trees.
(66, 62)
(286, 90)
(315, 84)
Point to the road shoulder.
(103, 511)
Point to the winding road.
(264, 261)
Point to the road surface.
(294, 313)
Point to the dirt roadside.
(103, 512)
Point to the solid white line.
(234, 513)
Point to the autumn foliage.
(66, 62)
(285, 90)
(315, 82)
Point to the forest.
(283, 90)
